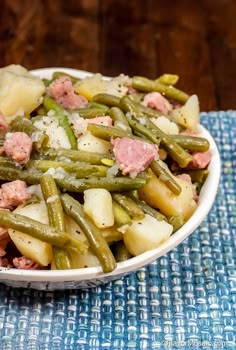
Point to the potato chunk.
(30, 247)
(146, 234)
(98, 206)
(158, 195)
(187, 115)
(20, 91)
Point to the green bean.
(61, 115)
(79, 169)
(176, 152)
(40, 231)
(120, 251)
(72, 184)
(129, 206)
(100, 106)
(176, 221)
(111, 234)
(165, 176)
(40, 111)
(121, 216)
(94, 236)
(7, 162)
(11, 173)
(53, 202)
(112, 184)
(128, 105)
(147, 85)
(192, 143)
(147, 209)
(106, 132)
(168, 79)
(120, 121)
(137, 97)
(76, 155)
(143, 132)
(107, 99)
(50, 192)
(90, 112)
(25, 125)
(62, 258)
(59, 74)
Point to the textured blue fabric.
(184, 300)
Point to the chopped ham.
(13, 193)
(133, 156)
(62, 91)
(25, 263)
(200, 160)
(156, 101)
(18, 146)
(3, 124)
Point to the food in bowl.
(95, 171)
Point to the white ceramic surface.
(90, 277)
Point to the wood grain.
(194, 39)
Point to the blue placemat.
(184, 300)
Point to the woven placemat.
(184, 300)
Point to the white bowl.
(90, 277)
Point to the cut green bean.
(121, 216)
(90, 112)
(78, 169)
(62, 116)
(129, 206)
(192, 143)
(176, 221)
(112, 184)
(107, 99)
(120, 120)
(147, 85)
(56, 217)
(76, 155)
(168, 79)
(94, 236)
(40, 231)
(143, 132)
(53, 202)
(106, 132)
(165, 176)
(120, 251)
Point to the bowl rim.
(206, 200)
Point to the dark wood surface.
(194, 39)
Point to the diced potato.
(98, 206)
(74, 229)
(146, 234)
(95, 84)
(167, 126)
(35, 211)
(32, 248)
(20, 91)
(89, 143)
(187, 115)
(90, 86)
(158, 195)
(84, 260)
(56, 133)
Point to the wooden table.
(194, 39)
